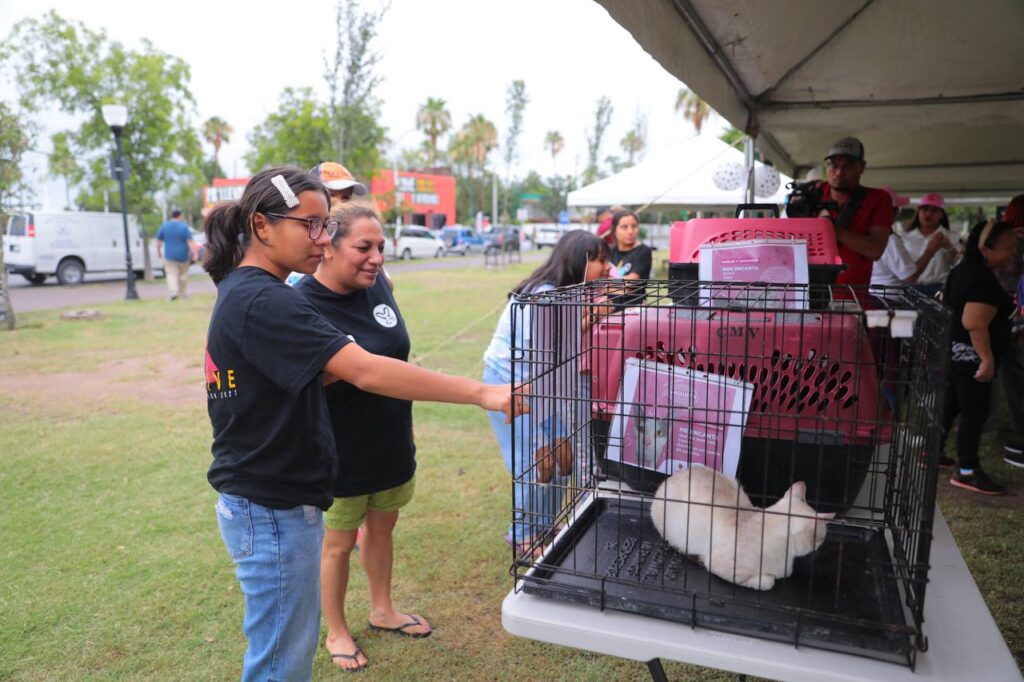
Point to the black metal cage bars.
(837, 390)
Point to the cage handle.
(740, 208)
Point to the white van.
(69, 244)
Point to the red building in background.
(424, 198)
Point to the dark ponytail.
(991, 230)
(229, 226)
(568, 261)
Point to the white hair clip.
(287, 194)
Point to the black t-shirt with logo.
(265, 349)
(973, 282)
(636, 260)
(373, 433)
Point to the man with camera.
(861, 215)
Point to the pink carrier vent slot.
(687, 237)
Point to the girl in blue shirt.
(579, 256)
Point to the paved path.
(106, 289)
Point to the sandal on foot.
(354, 656)
(400, 630)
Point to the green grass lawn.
(111, 564)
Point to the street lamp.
(116, 116)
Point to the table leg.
(657, 672)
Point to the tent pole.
(748, 162)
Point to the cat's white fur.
(701, 512)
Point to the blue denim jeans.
(534, 504)
(277, 562)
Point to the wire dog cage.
(841, 399)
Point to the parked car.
(68, 244)
(200, 239)
(501, 238)
(462, 240)
(414, 241)
(548, 236)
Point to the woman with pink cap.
(930, 243)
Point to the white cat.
(735, 540)
(651, 438)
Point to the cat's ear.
(797, 491)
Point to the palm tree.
(554, 143)
(433, 120)
(217, 131)
(694, 109)
(633, 143)
(470, 148)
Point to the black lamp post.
(116, 116)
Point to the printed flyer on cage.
(671, 417)
(775, 261)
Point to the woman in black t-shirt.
(630, 258)
(373, 434)
(274, 455)
(979, 334)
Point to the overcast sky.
(242, 54)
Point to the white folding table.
(963, 640)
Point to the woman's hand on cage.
(499, 398)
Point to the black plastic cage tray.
(843, 597)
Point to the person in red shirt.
(862, 234)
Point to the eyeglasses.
(316, 226)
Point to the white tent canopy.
(934, 88)
(674, 175)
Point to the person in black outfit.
(373, 434)
(630, 258)
(274, 455)
(979, 335)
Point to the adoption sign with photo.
(671, 417)
(775, 261)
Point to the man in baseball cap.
(864, 217)
(339, 182)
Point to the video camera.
(804, 200)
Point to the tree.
(731, 136)
(298, 132)
(515, 103)
(555, 143)
(635, 141)
(217, 131)
(693, 108)
(63, 164)
(602, 118)
(79, 70)
(14, 142)
(433, 120)
(469, 151)
(351, 81)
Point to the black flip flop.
(400, 630)
(354, 656)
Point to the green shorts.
(347, 513)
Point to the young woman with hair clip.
(578, 256)
(274, 456)
(373, 433)
(979, 335)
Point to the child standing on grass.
(375, 449)
(274, 456)
(577, 257)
